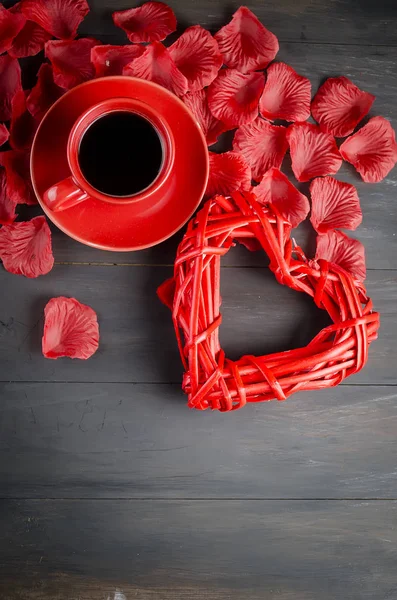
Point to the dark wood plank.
(179, 550)
(137, 338)
(138, 441)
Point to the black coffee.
(120, 154)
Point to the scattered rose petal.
(212, 128)
(262, 144)
(335, 204)
(23, 125)
(197, 56)
(372, 150)
(25, 248)
(245, 43)
(313, 152)
(10, 84)
(19, 184)
(7, 206)
(11, 23)
(61, 18)
(156, 65)
(44, 93)
(228, 173)
(110, 60)
(30, 40)
(339, 106)
(70, 329)
(233, 97)
(4, 134)
(151, 22)
(286, 95)
(71, 61)
(166, 292)
(338, 248)
(275, 188)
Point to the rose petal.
(286, 95)
(228, 173)
(71, 61)
(372, 150)
(245, 43)
(313, 152)
(44, 93)
(25, 248)
(339, 106)
(30, 40)
(10, 84)
(212, 128)
(262, 144)
(156, 65)
(61, 18)
(19, 183)
(338, 248)
(197, 56)
(234, 97)
(151, 22)
(11, 23)
(334, 204)
(166, 292)
(23, 125)
(7, 206)
(275, 188)
(70, 329)
(4, 134)
(110, 60)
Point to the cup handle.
(64, 195)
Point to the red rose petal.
(286, 95)
(10, 84)
(334, 204)
(110, 60)
(275, 188)
(61, 18)
(23, 125)
(70, 329)
(156, 65)
(19, 184)
(7, 206)
(151, 22)
(4, 134)
(372, 150)
(313, 152)
(71, 61)
(262, 144)
(25, 248)
(44, 93)
(228, 173)
(245, 43)
(338, 248)
(166, 292)
(11, 24)
(30, 40)
(339, 106)
(234, 97)
(212, 128)
(197, 56)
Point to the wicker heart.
(211, 379)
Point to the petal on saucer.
(151, 22)
(26, 249)
(110, 60)
(212, 128)
(228, 173)
(44, 93)
(61, 18)
(71, 61)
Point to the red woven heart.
(211, 380)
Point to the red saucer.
(112, 226)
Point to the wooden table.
(111, 489)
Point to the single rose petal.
(156, 65)
(313, 152)
(212, 128)
(4, 134)
(245, 43)
(372, 150)
(228, 173)
(44, 93)
(71, 61)
(275, 188)
(197, 56)
(70, 329)
(334, 204)
(11, 24)
(151, 22)
(262, 144)
(61, 18)
(286, 95)
(7, 206)
(166, 292)
(23, 124)
(339, 106)
(338, 248)
(30, 40)
(110, 60)
(25, 248)
(19, 183)
(10, 84)
(234, 97)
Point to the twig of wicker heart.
(211, 379)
